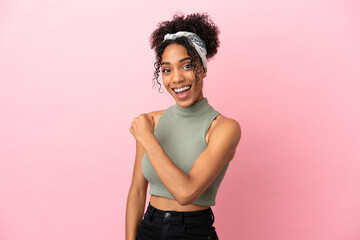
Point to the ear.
(204, 73)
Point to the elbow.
(187, 197)
(184, 201)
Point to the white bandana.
(195, 41)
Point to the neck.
(195, 109)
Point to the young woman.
(183, 151)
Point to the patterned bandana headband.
(195, 41)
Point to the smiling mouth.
(181, 90)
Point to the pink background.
(73, 75)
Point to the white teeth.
(181, 89)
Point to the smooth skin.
(222, 138)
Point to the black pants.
(173, 225)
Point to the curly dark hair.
(200, 24)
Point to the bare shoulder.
(226, 132)
(221, 119)
(156, 115)
(223, 126)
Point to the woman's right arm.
(137, 196)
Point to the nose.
(178, 76)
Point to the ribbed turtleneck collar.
(193, 110)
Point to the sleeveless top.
(181, 133)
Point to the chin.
(185, 103)
(182, 104)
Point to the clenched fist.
(142, 127)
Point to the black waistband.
(155, 214)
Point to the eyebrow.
(168, 63)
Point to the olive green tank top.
(181, 133)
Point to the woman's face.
(178, 77)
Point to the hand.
(142, 127)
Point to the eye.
(166, 70)
(187, 66)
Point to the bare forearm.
(134, 212)
(176, 181)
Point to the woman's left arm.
(186, 188)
